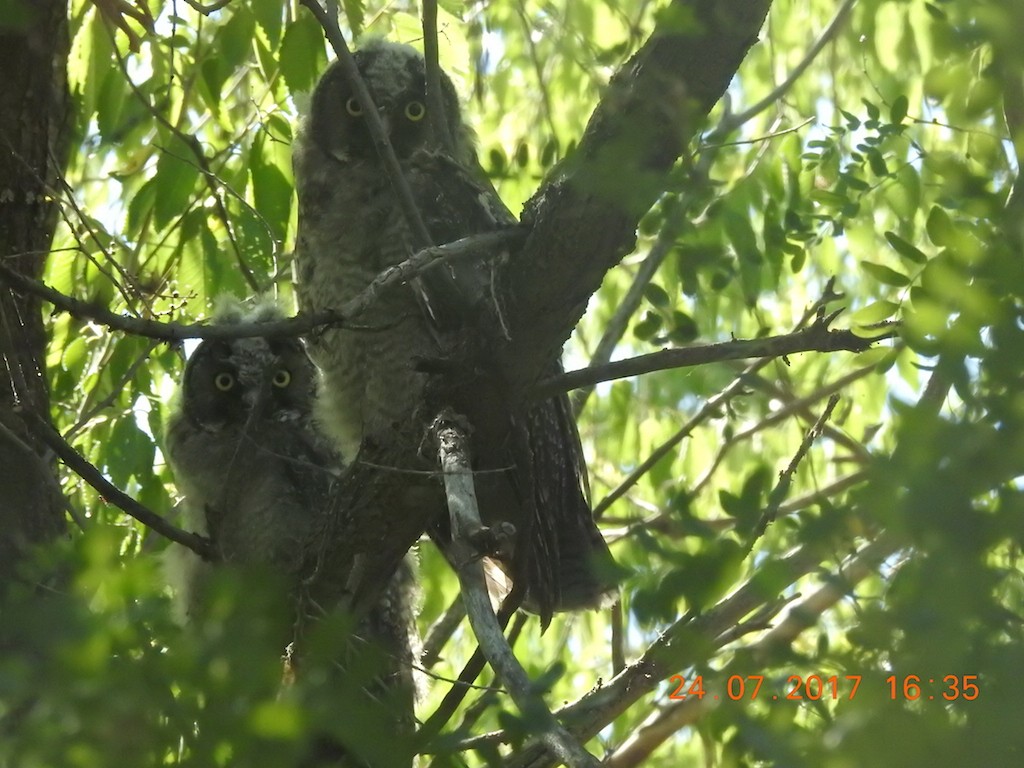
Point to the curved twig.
(466, 525)
(108, 491)
(294, 326)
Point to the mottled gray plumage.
(375, 388)
(258, 477)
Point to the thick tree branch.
(466, 530)
(584, 217)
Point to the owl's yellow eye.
(415, 111)
(353, 107)
(224, 381)
(282, 378)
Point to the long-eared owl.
(375, 382)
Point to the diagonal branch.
(778, 493)
(584, 217)
(91, 475)
(474, 245)
(466, 526)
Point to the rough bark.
(34, 129)
(583, 219)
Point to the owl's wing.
(456, 203)
(562, 556)
(311, 464)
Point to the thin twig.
(300, 324)
(780, 90)
(465, 527)
(817, 338)
(417, 229)
(441, 631)
(435, 98)
(790, 409)
(711, 407)
(109, 492)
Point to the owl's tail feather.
(570, 566)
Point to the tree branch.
(435, 100)
(108, 491)
(466, 528)
(710, 407)
(294, 326)
(817, 338)
(696, 182)
(778, 493)
(666, 721)
(584, 218)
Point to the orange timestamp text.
(748, 688)
(819, 687)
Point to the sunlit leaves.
(302, 54)
(175, 180)
(893, 188)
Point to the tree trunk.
(34, 132)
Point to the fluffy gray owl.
(257, 477)
(350, 229)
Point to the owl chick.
(257, 477)
(374, 385)
(245, 454)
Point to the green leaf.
(940, 228)
(549, 153)
(140, 206)
(684, 328)
(646, 328)
(355, 12)
(875, 312)
(302, 54)
(884, 274)
(877, 163)
(898, 111)
(522, 155)
(657, 295)
(269, 15)
(174, 181)
(234, 43)
(905, 249)
(272, 193)
(128, 452)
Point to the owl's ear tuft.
(228, 309)
(258, 309)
